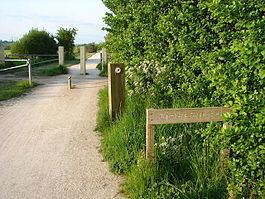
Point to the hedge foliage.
(209, 53)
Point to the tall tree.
(66, 38)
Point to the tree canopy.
(66, 38)
(35, 42)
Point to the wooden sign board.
(174, 116)
(186, 115)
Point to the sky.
(17, 17)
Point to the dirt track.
(48, 147)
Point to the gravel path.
(48, 147)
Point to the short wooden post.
(69, 82)
(82, 60)
(116, 88)
(2, 55)
(61, 55)
(104, 56)
(101, 61)
(150, 139)
(29, 68)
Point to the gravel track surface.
(48, 147)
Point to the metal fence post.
(69, 83)
(29, 68)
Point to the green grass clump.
(123, 138)
(55, 70)
(186, 166)
(11, 89)
(103, 70)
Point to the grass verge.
(11, 89)
(185, 165)
(55, 70)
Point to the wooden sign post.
(174, 116)
(116, 89)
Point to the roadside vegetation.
(103, 70)
(10, 89)
(188, 54)
(186, 165)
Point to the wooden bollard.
(61, 55)
(69, 82)
(116, 89)
(82, 60)
(104, 56)
(2, 55)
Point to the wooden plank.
(116, 87)
(186, 115)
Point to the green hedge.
(210, 52)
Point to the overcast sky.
(18, 16)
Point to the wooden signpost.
(116, 89)
(174, 116)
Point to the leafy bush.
(197, 53)
(35, 42)
(103, 70)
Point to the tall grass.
(185, 165)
